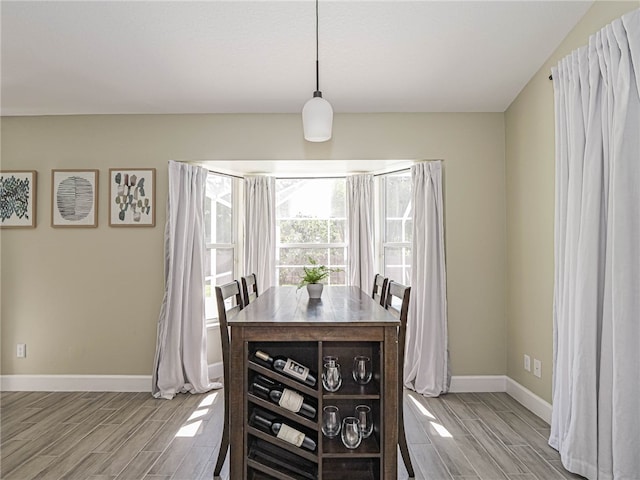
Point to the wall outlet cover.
(537, 368)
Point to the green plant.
(315, 273)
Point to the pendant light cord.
(317, 62)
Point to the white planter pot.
(315, 290)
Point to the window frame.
(237, 238)
(382, 243)
(317, 246)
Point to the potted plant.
(312, 277)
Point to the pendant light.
(317, 114)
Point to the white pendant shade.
(317, 120)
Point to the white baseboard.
(502, 383)
(86, 383)
(530, 400)
(75, 383)
(216, 371)
(478, 383)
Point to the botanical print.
(17, 198)
(131, 197)
(74, 197)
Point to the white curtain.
(180, 363)
(596, 386)
(260, 229)
(426, 367)
(360, 227)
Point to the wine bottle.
(289, 367)
(286, 398)
(282, 460)
(282, 431)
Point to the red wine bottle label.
(290, 435)
(291, 400)
(296, 370)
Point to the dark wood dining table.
(345, 317)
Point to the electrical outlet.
(537, 367)
(21, 350)
(527, 362)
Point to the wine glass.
(330, 421)
(351, 434)
(362, 369)
(331, 377)
(363, 413)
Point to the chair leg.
(224, 443)
(402, 440)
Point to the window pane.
(218, 271)
(300, 230)
(398, 222)
(218, 210)
(397, 264)
(300, 256)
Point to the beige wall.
(86, 301)
(530, 167)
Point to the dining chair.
(400, 309)
(224, 292)
(249, 288)
(379, 288)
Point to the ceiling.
(94, 57)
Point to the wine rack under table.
(255, 452)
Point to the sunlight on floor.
(190, 428)
(208, 400)
(440, 430)
(422, 408)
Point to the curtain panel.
(360, 209)
(180, 363)
(260, 230)
(596, 387)
(426, 367)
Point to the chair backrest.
(400, 309)
(249, 288)
(224, 292)
(379, 288)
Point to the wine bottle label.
(290, 435)
(296, 370)
(291, 400)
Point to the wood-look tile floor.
(106, 436)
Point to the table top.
(339, 306)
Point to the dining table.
(344, 323)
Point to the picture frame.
(132, 201)
(74, 198)
(18, 196)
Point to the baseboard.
(478, 383)
(86, 383)
(216, 371)
(75, 383)
(502, 383)
(530, 400)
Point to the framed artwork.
(74, 198)
(18, 198)
(132, 201)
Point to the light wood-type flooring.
(100, 436)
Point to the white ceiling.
(94, 57)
